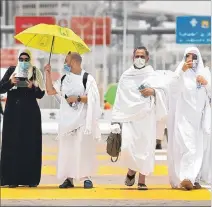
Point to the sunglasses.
(140, 56)
(24, 59)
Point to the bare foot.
(187, 184)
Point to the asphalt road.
(109, 186)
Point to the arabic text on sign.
(188, 34)
(195, 40)
(25, 26)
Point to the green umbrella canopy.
(110, 95)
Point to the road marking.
(100, 149)
(101, 157)
(50, 150)
(155, 192)
(160, 170)
(54, 157)
(49, 157)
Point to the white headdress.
(193, 50)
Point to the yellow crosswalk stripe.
(99, 149)
(54, 157)
(155, 192)
(49, 157)
(108, 191)
(108, 170)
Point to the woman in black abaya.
(21, 153)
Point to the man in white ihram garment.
(78, 124)
(140, 102)
(189, 123)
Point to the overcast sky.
(179, 7)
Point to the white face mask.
(139, 62)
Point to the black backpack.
(84, 80)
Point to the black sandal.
(130, 180)
(88, 184)
(142, 186)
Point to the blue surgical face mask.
(24, 66)
(67, 68)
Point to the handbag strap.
(115, 159)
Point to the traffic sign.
(24, 22)
(193, 30)
(83, 26)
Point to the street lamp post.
(124, 35)
(103, 73)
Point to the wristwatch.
(79, 99)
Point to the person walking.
(189, 122)
(140, 102)
(22, 133)
(78, 124)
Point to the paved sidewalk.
(109, 186)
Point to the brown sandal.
(187, 184)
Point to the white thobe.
(78, 128)
(187, 126)
(139, 116)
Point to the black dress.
(21, 153)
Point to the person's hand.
(200, 79)
(30, 84)
(48, 68)
(187, 65)
(148, 92)
(72, 99)
(13, 79)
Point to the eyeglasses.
(140, 56)
(24, 59)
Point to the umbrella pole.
(51, 49)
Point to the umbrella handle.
(51, 49)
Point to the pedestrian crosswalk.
(109, 182)
(155, 192)
(160, 170)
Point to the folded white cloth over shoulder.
(115, 128)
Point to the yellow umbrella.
(53, 39)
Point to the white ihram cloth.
(189, 125)
(162, 124)
(139, 116)
(78, 128)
